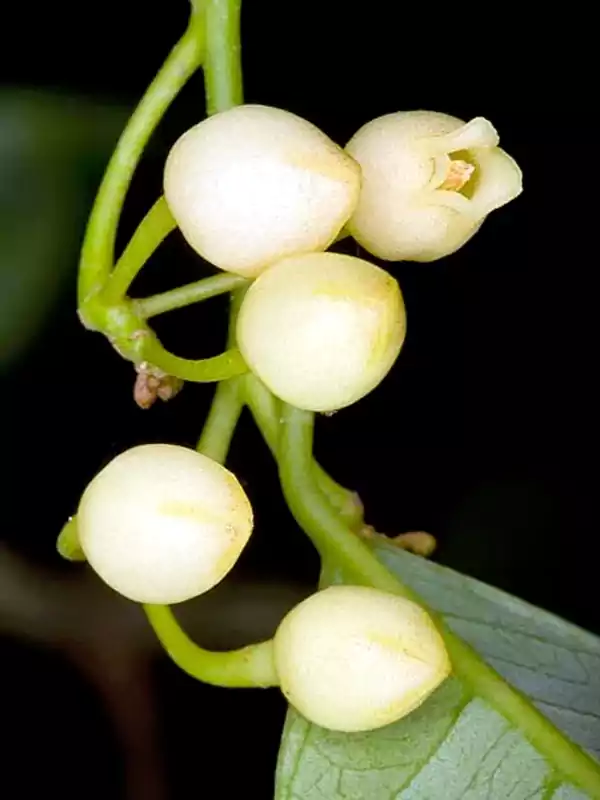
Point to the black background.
(481, 435)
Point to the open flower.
(428, 182)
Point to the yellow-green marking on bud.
(162, 523)
(322, 330)
(353, 658)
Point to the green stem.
(203, 370)
(227, 403)
(358, 563)
(132, 339)
(67, 543)
(191, 293)
(97, 253)
(251, 666)
(315, 514)
(222, 420)
(222, 63)
(152, 230)
(229, 364)
(266, 410)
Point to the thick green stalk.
(97, 255)
(339, 545)
(222, 63)
(203, 370)
(266, 410)
(315, 514)
(249, 667)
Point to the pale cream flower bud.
(352, 658)
(429, 180)
(254, 184)
(322, 330)
(162, 523)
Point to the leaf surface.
(456, 746)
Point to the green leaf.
(53, 150)
(456, 746)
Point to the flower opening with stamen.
(428, 182)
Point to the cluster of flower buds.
(263, 193)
